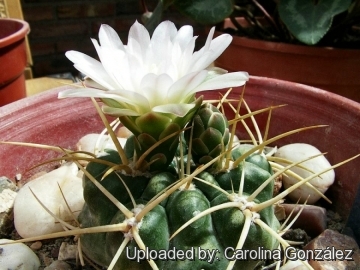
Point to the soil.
(334, 221)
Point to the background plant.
(322, 22)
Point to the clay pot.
(332, 69)
(47, 120)
(12, 59)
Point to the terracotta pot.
(45, 119)
(335, 70)
(12, 59)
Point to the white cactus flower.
(160, 74)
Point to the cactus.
(205, 212)
(212, 232)
(149, 132)
(198, 213)
(210, 134)
(198, 217)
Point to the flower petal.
(109, 38)
(209, 39)
(90, 83)
(138, 39)
(92, 68)
(155, 88)
(216, 48)
(183, 87)
(219, 45)
(118, 112)
(186, 60)
(129, 97)
(115, 63)
(179, 110)
(184, 36)
(165, 31)
(159, 74)
(161, 41)
(227, 80)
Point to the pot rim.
(16, 36)
(314, 92)
(311, 91)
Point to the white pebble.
(17, 256)
(67, 251)
(299, 151)
(7, 198)
(96, 144)
(31, 219)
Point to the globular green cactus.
(204, 216)
(210, 134)
(156, 135)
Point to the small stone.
(279, 211)
(296, 152)
(123, 132)
(46, 259)
(6, 183)
(18, 176)
(316, 214)
(336, 243)
(97, 143)
(67, 251)
(58, 265)
(17, 256)
(36, 245)
(60, 191)
(7, 199)
(277, 185)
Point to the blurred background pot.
(12, 59)
(328, 68)
(47, 120)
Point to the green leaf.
(152, 19)
(309, 21)
(205, 11)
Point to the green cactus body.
(252, 172)
(213, 232)
(99, 210)
(210, 134)
(160, 129)
(154, 231)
